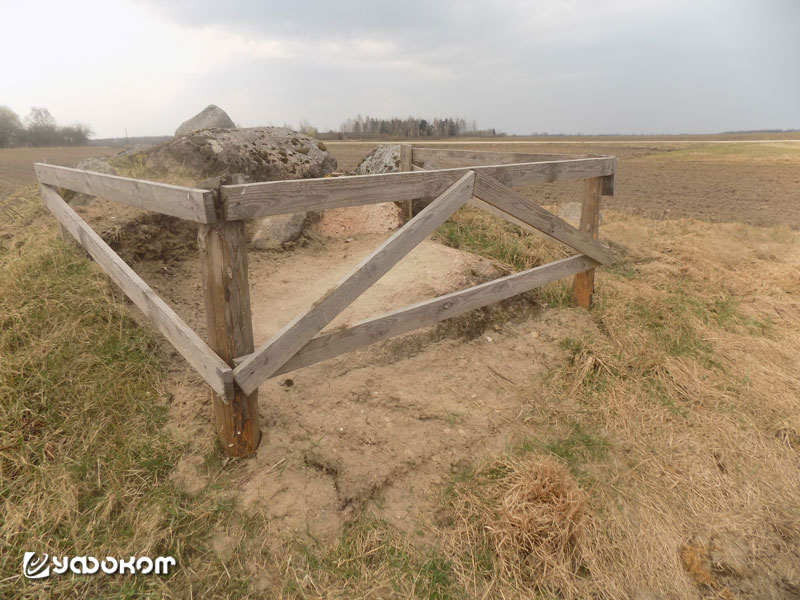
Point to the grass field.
(658, 454)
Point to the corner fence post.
(223, 261)
(583, 284)
(406, 163)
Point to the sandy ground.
(380, 427)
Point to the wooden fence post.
(583, 284)
(223, 261)
(406, 155)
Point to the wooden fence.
(229, 361)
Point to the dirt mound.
(152, 237)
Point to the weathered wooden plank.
(583, 285)
(187, 203)
(516, 205)
(428, 312)
(197, 353)
(274, 353)
(279, 197)
(440, 158)
(478, 203)
(406, 154)
(407, 165)
(223, 262)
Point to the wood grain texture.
(407, 165)
(478, 203)
(196, 352)
(187, 203)
(405, 158)
(273, 354)
(431, 311)
(223, 263)
(583, 284)
(507, 200)
(439, 158)
(282, 197)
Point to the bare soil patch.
(382, 427)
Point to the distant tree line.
(39, 128)
(410, 127)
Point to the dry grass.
(661, 442)
(84, 463)
(664, 442)
(520, 528)
(691, 376)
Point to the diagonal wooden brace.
(508, 201)
(272, 355)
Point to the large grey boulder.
(257, 154)
(384, 159)
(210, 116)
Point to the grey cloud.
(566, 65)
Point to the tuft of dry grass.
(518, 525)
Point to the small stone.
(272, 232)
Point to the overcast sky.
(569, 66)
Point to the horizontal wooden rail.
(210, 366)
(271, 356)
(252, 200)
(447, 159)
(187, 203)
(508, 201)
(432, 311)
